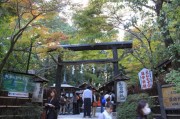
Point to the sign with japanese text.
(145, 78)
(38, 93)
(171, 98)
(17, 82)
(18, 94)
(121, 91)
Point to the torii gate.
(114, 46)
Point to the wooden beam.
(98, 46)
(102, 61)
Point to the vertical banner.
(38, 93)
(121, 91)
(145, 78)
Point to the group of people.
(107, 105)
(90, 102)
(67, 104)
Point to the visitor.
(103, 101)
(94, 103)
(78, 103)
(107, 114)
(62, 104)
(87, 100)
(143, 110)
(112, 97)
(75, 103)
(67, 104)
(107, 98)
(52, 106)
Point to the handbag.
(43, 115)
(95, 104)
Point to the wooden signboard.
(171, 98)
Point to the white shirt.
(87, 94)
(105, 115)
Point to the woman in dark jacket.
(52, 106)
(143, 110)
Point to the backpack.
(103, 101)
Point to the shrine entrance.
(114, 46)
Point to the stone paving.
(77, 116)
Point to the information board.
(17, 82)
(171, 98)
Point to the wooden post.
(115, 69)
(59, 76)
(160, 98)
(115, 62)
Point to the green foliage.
(172, 11)
(172, 51)
(56, 24)
(127, 109)
(92, 25)
(173, 77)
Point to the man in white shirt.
(87, 99)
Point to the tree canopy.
(36, 27)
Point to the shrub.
(127, 110)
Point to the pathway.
(78, 116)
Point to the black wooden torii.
(114, 46)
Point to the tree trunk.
(2, 64)
(162, 23)
(165, 33)
(59, 76)
(160, 98)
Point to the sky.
(68, 12)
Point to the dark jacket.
(51, 111)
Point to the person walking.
(52, 106)
(87, 100)
(62, 104)
(107, 114)
(75, 103)
(103, 102)
(107, 98)
(94, 103)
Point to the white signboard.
(121, 91)
(38, 93)
(18, 94)
(145, 78)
